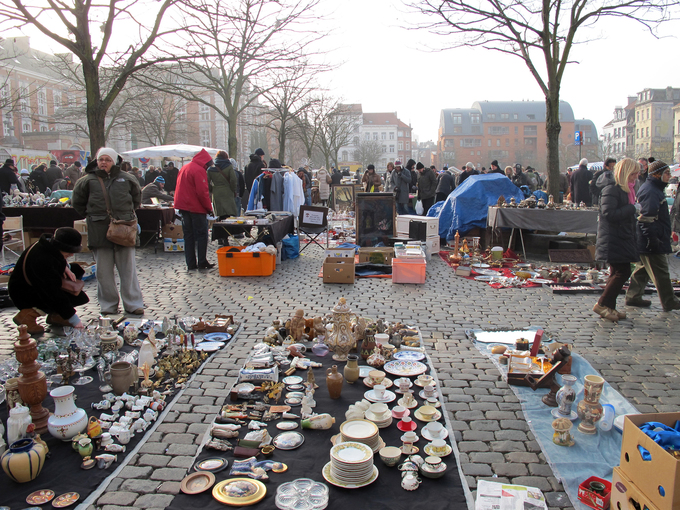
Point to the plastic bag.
(419, 208)
(290, 247)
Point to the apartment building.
(654, 123)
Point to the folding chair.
(313, 221)
(14, 226)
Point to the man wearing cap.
(495, 168)
(74, 172)
(519, 179)
(23, 179)
(35, 285)
(8, 176)
(254, 168)
(155, 190)
(401, 183)
(123, 196)
(170, 174)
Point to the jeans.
(308, 197)
(655, 266)
(618, 276)
(195, 226)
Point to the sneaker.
(610, 315)
(674, 306)
(622, 315)
(638, 302)
(138, 311)
(599, 309)
(206, 265)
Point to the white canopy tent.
(598, 165)
(178, 151)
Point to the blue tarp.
(467, 206)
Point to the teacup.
(428, 390)
(378, 410)
(432, 401)
(376, 376)
(404, 384)
(379, 391)
(438, 446)
(427, 412)
(398, 411)
(409, 437)
(434, 428)
(424, 379)
(410, 481)
(390, 455)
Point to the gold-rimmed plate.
(239, 491)
(197, 482)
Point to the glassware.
(85, 363)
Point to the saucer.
(372, 397)
(436, 416)
(406, 413)
(426, 434)
(414, 441)
(401, 402)
(401, 426)
(556, 414)
(429, 450)
(385, 382)
(420, 383)
(422, 395)
(365, 370)
(374, 418)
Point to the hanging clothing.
(294, 195)
(276, 192)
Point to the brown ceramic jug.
(352, 368)
(334, 382)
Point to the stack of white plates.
(382, 421)
(361, 431)
(351, 465)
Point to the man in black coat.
(580, 184)
(336, 176)
(468, 170)
(39, 178)
(170, 174)
(445, 185)
(151, 175)
(8, 177)
(254, 168)
(53, 173)
(602, 178)
(495, 168)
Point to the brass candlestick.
(32, 382)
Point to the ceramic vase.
(589, 409)
(341, 339)
(123, 374)
(109, 342)
(566, 396)
(67, 420)
(24, 460)
(32, 383)
(334, 382)
(367, 345)
(19, 419)
(351, 370)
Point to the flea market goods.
(566, 396)
(334, 382)
(589, 409)
(341, 339)
(32, 383)
(67, 420)
(24, 460)
(123, 374)
(351, 370)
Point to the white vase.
(67, 420)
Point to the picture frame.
(343, 197)
(375, 217)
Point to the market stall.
(277, 228)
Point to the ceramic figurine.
(311, 380)
(17, 423)
(318, 422)
(367, 344)
(589, 409)
(562, 436)
(297, 326)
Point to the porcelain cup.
(435, 429)
(106, 439)
(424, 379)
(376, 376)
(438, 446)
(432, 401)
(404, 384)
(428, 390)
(428, 412)
(379, 391)
(379, 409)
(409, 437)
(398, 411)
(124, 436)
(410, 482)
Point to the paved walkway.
(638, 356)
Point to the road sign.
(578, 138)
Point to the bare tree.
(90, 37)
(369, 152)
(309, 124)
(158, 116)
(541, 33)
(240, 50)
(337, 130)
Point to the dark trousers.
(427, 203)
(195, 226)
(654, 266)
(618, 276)
(441, 197)
(402, 208)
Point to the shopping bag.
(419, 208)
(291, 247)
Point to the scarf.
(631, 192)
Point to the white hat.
(584, 161)
(108, 152)
(23, 172)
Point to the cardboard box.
(593, 499)
(4, 278)
(338, 270)
(80, 226)
(173, 232)
(340, 253)
(84, 243)
(625, 495)
(176, 245)
(408, 271)
(463, 271)
(377, 255)
(231, 261)
(657, 476)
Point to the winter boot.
(55, 319)
(28, 316)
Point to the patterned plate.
(351, 453)
(65, 500)
(209, 346)
(288, 440)
(40, 497)
(405, 368)
(408, 355)
(217, 337)
(339, 483)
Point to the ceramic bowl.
(376, 376)
(378, 409)
(390, 455)
(428, 412)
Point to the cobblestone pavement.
(638, 356)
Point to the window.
(7, 128)
(344, 156)
(623, 146)
(637, 114)
(490, 116)
(355, 140)
(588, 139)
(531, 116)
(367, 136)
(457, 119)
(657, 131)
(408, 146)
(515, 116)
(505, 116)
(384, 149)
(530, 142)
(470, 142)
(498, 142)
(383, 135)
(24, 100)
(203, 112)
(26, 127)
(43, 127)
(647, 113)
(400, 134)
(479, 153)
(647, 131)
(56, 100)
(375, 135)
(475, 118)
(657, 113)
(42, 103)
(516, 130)
(400, 145)
(530, 130)
(458, 130)
(447, 143)
(205, 138)
(181, 112)
(392, 148)
(638, 133)
(489, 142)
(391, 135)
(475, 130)
(5, 91)
(499, 130)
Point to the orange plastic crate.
(408, 272)
(237, 263)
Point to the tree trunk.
(96, 113)
(282, 142)
(233, 140)
(552, 130)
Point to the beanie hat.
(495, 163)
(9, 161)
(397, 163)
(23, 172)
(370, 167)
(108, 152)
(419, 166)
(159, 179)
(67, 239)
(584, 161)
(657, 167)
(259, 152)
(469, 166)
(274, 163)
(53, 162)
(77, 163)
(518, 166)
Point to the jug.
(121, 376)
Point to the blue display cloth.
(592, 455)
(467, 206)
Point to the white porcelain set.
(138, 414)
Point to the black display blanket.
(276, 229)
(62, 472)
(308, 460)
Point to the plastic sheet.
(466, 207)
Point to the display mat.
(62, 472)
(591, 455)
(308, 460)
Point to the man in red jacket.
(192, 198)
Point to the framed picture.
(343, 197)
(375, 215)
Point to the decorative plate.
(405, 368)
(484, 278)
(40, 497)
(540, 280)
(364, 371)
(213, 464)
(338, 483)
(65, 500)
(293, 402)
(295, 394)
(209, 346)
(217, 337)
(351, 453)
(295, 387)
(288, 440)
(244, 388)
(287, 425)
(429, 449)
(387, 383)
(408, 355)
(239, 491)
(387, 397)
(436, 416)
(197, 482)
(359, 429)
(292, 379)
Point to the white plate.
(287, 425)
(358, 429)
(480, 265)
(292, 379)
(539, 280)
(244, 388)
(488, 272)
(339, 483)
(364, 371)
(405, 368)
(409, 355)
(484, 278)
(209, 346)
(372, 397)
(426, 434)
(351, 453)
(217, 337)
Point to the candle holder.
(32, 382)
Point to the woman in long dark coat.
(616, 235)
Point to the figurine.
(311, 380)
(297, 326)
